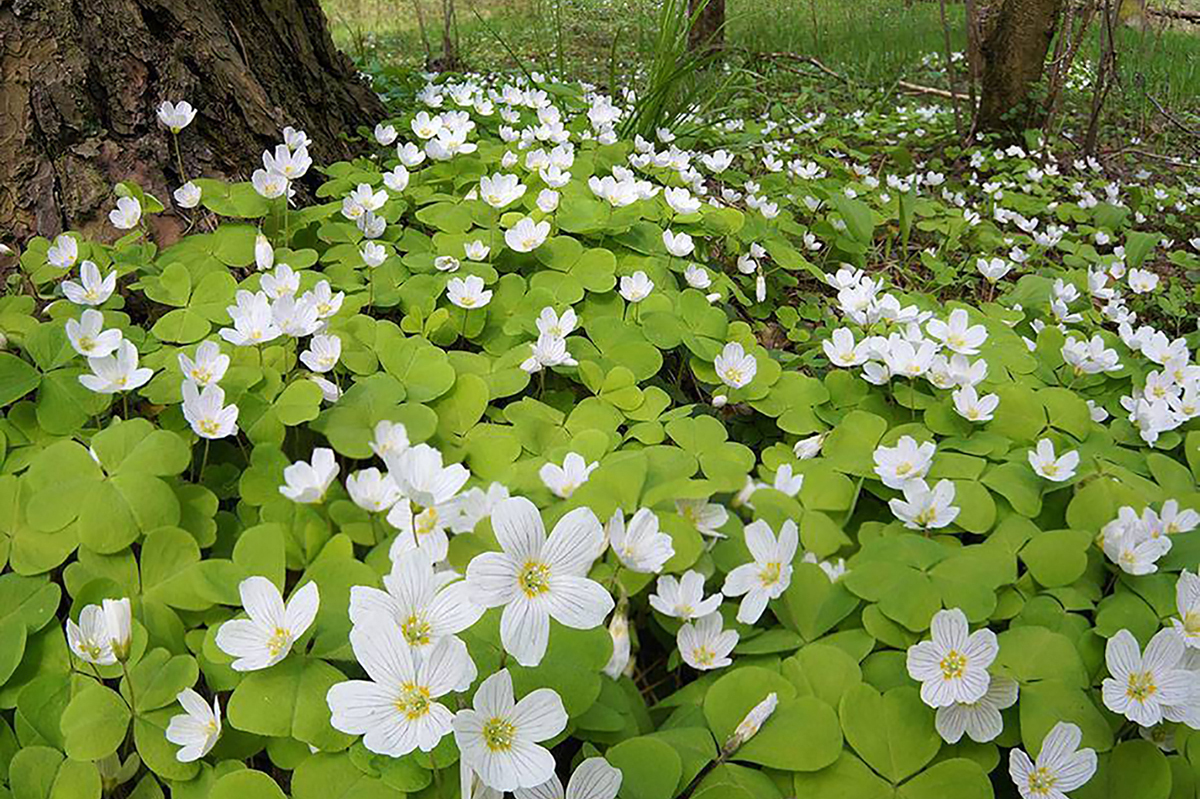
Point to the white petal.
(525, 630)
(578, 602)
(539, 715)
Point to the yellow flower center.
(279, 641)
(769, 574)
(904, 468)
(953, 665)
(499, 734)
(1050, 469)
(1041, 781)
(424, 521)
(416, 630)
(534, 578)
(208, 426)
(413, 701)
(1141, 686)
(201, 375)
(927, 517)
(703, 656)
(733, 374)
(87, 343)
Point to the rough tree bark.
(1014, 49)
(81, 80)
(709, 30)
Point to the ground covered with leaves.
(802, 454)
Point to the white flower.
(372, 490)
(253, 320)
(498, 736)
(176, 116)
(972, 407)
(446, 263)
(127, 213)
(548, 350)
(267, 636)
(1142, 686)
(547, 201)
(594, 779)
(1061, 765)
(307, 483)
(391, 438)
(425, 126)
(993, 269)
(291, 164)
(981, 719)
(1187, 602)
(116, 372)
(188, 195)
(269, 184)
(1134, 549)
(90, 639)
(64, 252)
(564, 480)
(769, 574)
(708, 517)
(208, 367)
(395, 711)
(1142, 281)
(679, 245)
(735, 366)
(683, 598)
(697, 277)
(527, 235)
(476, 250)
(1046, 465)
(923, 508)
(641, 547)
(841, 349)
(904, 463)
(618, 631)
(283, 282)
(385, 134)
(89, 338)
(322, 353)
(704, 645)
(808, 448)
(636, 287)
(550, 323)
(427, 605)
(468, 293)
(500, 190)
(207, 412)
(958, 334)
(953, 667)
(118, 618)
(536, 578)
(197, 729)
(681, 200)
(397, 179)
(429, 490)
(1175, 521)
(749, 726)
(94, 289)
(373, 254)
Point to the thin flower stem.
(129, 682)
(203, 461)
(179, 159)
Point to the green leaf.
(289, 700)
(245, 783)
(298, 403)
(94, 723)
(17, 378)
(848, 778)
(650, 769)
(1134, 768)
(326, 776)
(893, 732)
(958, 777)
(1057, 557)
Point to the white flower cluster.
(1135, 542)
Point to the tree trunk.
(709, 28)
(1014, 50)
(81, 82)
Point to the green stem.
(179, 158)
(129, 682)
(203, 461)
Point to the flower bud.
(119, 620)
(750, 725)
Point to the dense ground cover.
(800, 398)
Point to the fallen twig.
(916, 88)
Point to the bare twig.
(1174, 120)
(916, 88)
(958, 128)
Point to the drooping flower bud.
(750, 725)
